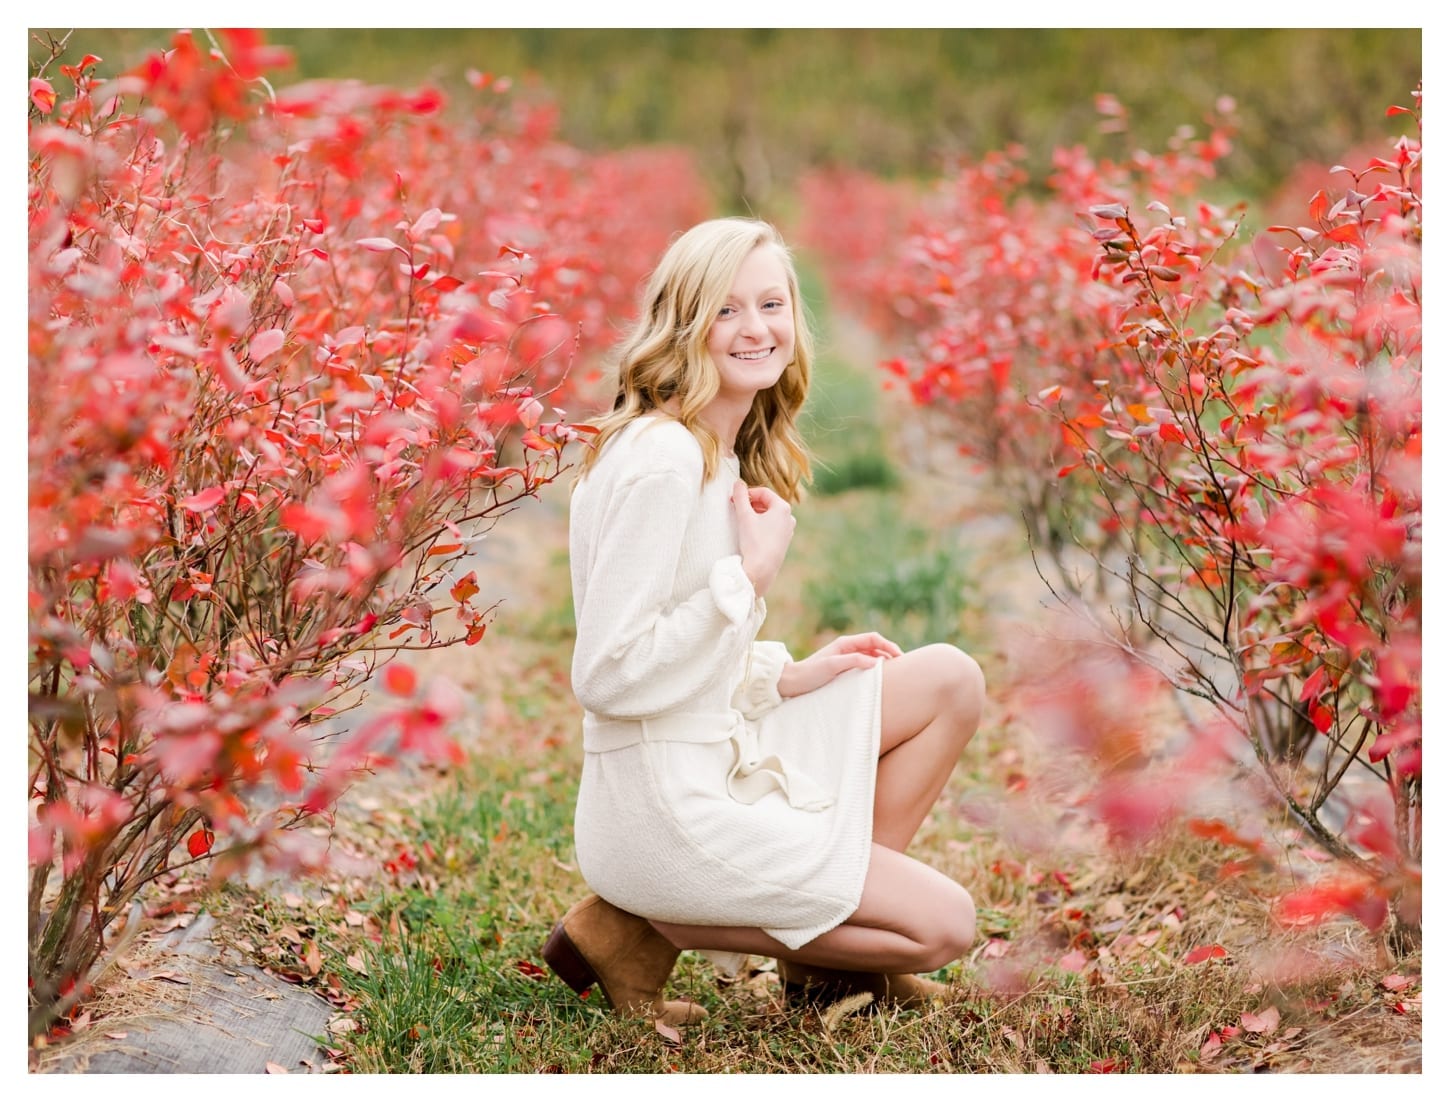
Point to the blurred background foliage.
(759, 106)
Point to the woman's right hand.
(766, 527)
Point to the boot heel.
(568, 964)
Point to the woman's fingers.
(858, 661)
(867, 642)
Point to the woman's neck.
(723, 416)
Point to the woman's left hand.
(849, 652)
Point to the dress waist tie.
(751, 775)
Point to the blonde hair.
(666, 357)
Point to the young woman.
(733, 799)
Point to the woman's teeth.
(764, 352)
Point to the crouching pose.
(733, 799)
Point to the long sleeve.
(639, 651)
(760, 690)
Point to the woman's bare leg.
(911, 919)
(931, 702)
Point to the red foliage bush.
(279, 350)
(1236, 447)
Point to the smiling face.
(753, 336)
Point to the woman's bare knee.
(954, 931)
(958, 678)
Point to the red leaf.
(205, 500)
(530, 969)
(1105, 1067)
(1396, 982)
(400, 679)
(308, 525)
(446, 283)
(1172, 433)
(1203, 953)
(199, 844)
(1395, 109)
(1319, 205)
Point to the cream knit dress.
(705, 798)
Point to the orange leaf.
(444, 548)
(399, 679)
(467, 586)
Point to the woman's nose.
(751, 323)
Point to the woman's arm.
(637, 652)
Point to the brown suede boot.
(597, 943)
(823, 986)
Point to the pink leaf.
(1264, 1022)
(204, 501)
(1074, 961)
(265, 343)
(378, 244)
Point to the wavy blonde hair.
(666, 357)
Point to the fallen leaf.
(313, 958)
(342, 1025)
(118, 1035)
(355, 962)
(353, 918)
(1104, 1067)
(1395, 982)
(292, 899)
(1074, 961)
(1265, 1022)
(668, 1032)
(530, 969)
(1203, 953)
(1210, 1047)
(276, 1069)
(995, 947)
